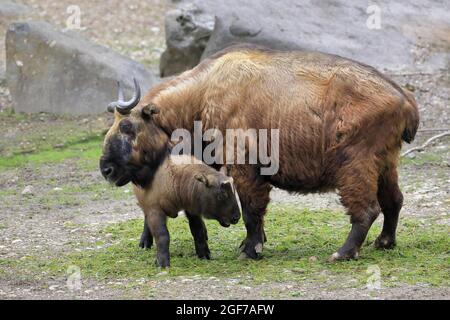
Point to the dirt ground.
(30, 223)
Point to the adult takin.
(189, 185)
(341, 125)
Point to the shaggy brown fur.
(341, 126)
(196, 188)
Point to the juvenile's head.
(217, 197)
(134, 146)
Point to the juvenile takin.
(185, 183)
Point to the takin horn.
(124, 107)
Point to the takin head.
(217, 199)
(134, 146)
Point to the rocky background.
(58, 75)
(68, 68)
(407, 30)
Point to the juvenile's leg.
(200, 234)
(391, 199)
(146, 241)
(157, 222)
(254, 195)
(358, 191)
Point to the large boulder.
(63, 73)
(2, 76)
(10, 8)
(187, 33)
(10, 11)
(410, 35)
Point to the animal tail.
(411, 116)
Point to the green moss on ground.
(421, 256)
(44, 138)
(88, 149)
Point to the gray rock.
(2, 77)
(28, 191)
(9, 9)
(187, 32)
(63, 73)
(413, 35)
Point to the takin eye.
(126, 127)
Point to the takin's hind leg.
(200, 235)
(390, 199)
(357, 235)
(358, 192)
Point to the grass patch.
(87, 149)
(422, 254)
(75, 195)
(43, 137)
(423, 158)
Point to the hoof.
(162, 263)
(202, 250)
(343, 257)
(251, 251)
(145, 245)
(384, 242)
(204, 254)
(146, 242)
(259, 248)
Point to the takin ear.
(149, 110)
(203, 179)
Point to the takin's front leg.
(157, 223)
(254, 194)
(146, 241)
(200, 235)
